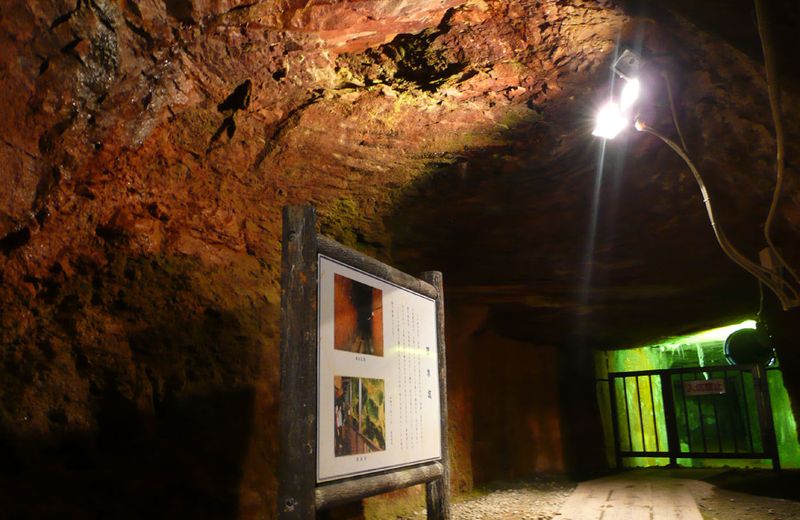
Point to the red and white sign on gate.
(704, 387)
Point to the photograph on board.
(358, 317)
(359, 415)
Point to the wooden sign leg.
(298, 398)
(438, 491)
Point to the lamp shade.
(749, 347)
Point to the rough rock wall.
(516, 421)
(147, 149)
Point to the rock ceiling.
(438, 133)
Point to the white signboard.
(704, 387)
(378, 375)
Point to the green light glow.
(707, 336)
(703, 349)
(785, 425)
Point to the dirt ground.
(749, 495)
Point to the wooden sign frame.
(299, 494)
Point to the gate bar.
(749, 433)
(673, 444)
(641, 416)
(612, 394)
(653, 407)
(733, 423)
(627, 412)
(686, 415)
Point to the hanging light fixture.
(615, 116)
(630, 93)
(610, 121)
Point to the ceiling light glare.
(610, 121)
(630, 93)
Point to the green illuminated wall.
(696, 350)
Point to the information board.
(378, 389)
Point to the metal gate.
(705, 412)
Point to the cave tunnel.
(148, 149)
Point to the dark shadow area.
(735, 22)
(581, 424)
(182, 463)
(146, 385)
(775, 484)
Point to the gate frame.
(763, 406)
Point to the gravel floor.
(532, 500)
(720, 495)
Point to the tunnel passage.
(686, 401)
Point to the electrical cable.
(674, 112)
(786, 301)
(764, 275)
(771, 277)
(685, 149)
(773, 90)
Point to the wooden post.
(438, 491)
(349, 490)
(298, 398)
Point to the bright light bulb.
(610, 121)
(630, 93)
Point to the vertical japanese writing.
(413, 376)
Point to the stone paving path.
(630, 496)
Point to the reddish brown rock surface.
(148, 148)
